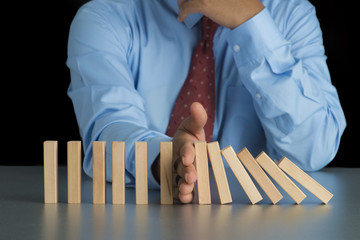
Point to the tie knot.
(208, 28)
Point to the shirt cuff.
(255, 39)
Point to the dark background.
(35, 105)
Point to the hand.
(228, 13)
(190, 130)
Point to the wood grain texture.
(219, 172)
(99, 180)
(74, 171)
(242, 176)
(305, 180)
(202, 169)
(166, 172)
(118, 172)
(141, 174)
(280, 177)
(50, 171)
(259, 175)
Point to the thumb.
(186, 8)
(196, 122)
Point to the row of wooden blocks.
(204, 151)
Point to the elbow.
(324, 150)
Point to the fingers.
(184, 181)
(184, 192)
(187, 153)
(186, 8)
(187, 173)
(183, 198)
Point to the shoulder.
(287, 7)
(107, 9)
(103, 24)
(291, 4)
(116, 16)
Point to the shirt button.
(258, 95)
(236, 48)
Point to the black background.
(35, 105)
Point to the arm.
(287, 75)
(103, 90)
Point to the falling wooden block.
(141, 175)
(219, 172)
(118, 172)
(304, 179)
(50, 171)
(166, 172)
(280, 177)
(259, 175)
(202, 169)
(74, 171)
(242, 176)
(99, 182)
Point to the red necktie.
(199, 85)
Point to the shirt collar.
(191, 20)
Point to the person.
(129, 60)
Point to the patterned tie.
(199, 85)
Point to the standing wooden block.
(241, 175)
(50, 171)
(141, 175)
(99, 182)
(166, 172)
(304, 179)
(202, 169)
(219, 172)
(259, 175)
(280, 177)
(118, 172)
(74, 171)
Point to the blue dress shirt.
(130, 58)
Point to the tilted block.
(242, 176)
(219, 172)
(280, 177)
(259, 175)
(304, 179)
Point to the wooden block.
(259, 175)
(304, 179)
(141, 175)
(280, 177)
(50, 171)
(166, 172)
(202, 169)
(242, 176)
(74, 171)
(219, 172)
(99, 181)
(118, 172)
